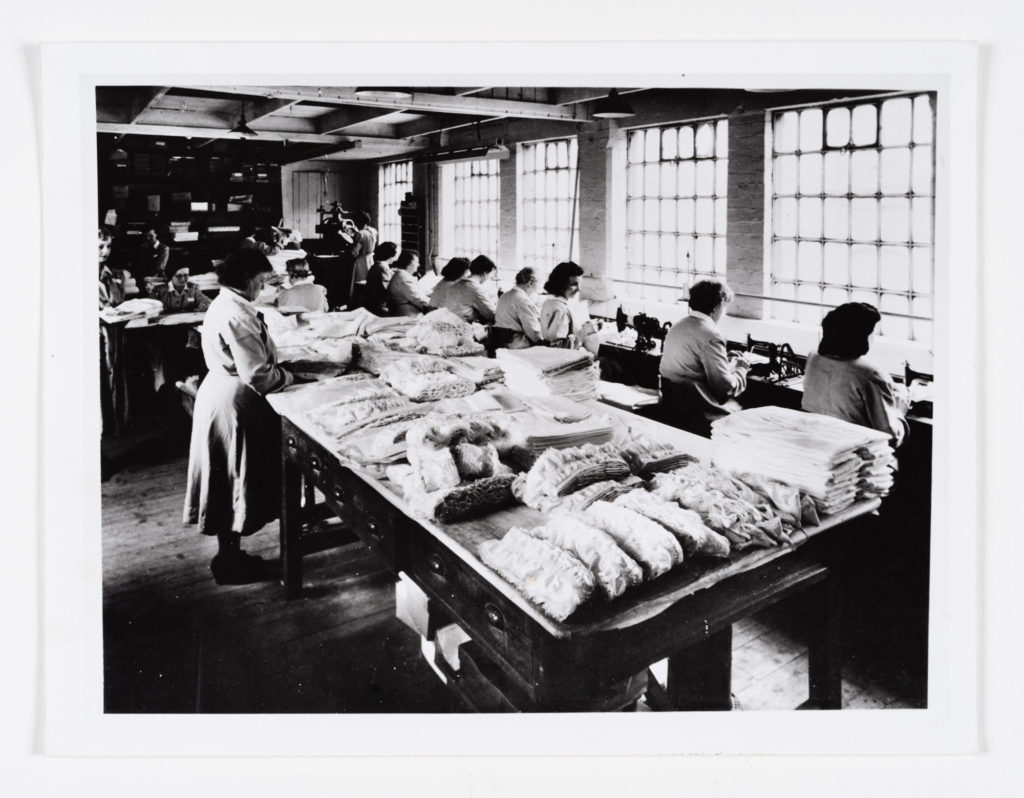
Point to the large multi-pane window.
(394, 181)
(469, 209)
(548, 205)
(852, 207)
(675, 208)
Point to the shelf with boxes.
(205, 200)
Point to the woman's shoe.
(237, 569)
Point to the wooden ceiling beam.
(266, 108)
(433, 123)
(309, 153)
(562, 96)
(418, 102)
(145, 100)
(219, 132)
(333, 121)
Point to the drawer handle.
(290, 440)
(314, 462)
(494, 616)
(436, 564)
(338, 494)
(374, 527)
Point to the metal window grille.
(852, 212)
(473, 205)
(395, 179)
(548, 222)
(676, 180)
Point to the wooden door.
(312, 190)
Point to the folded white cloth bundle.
(549, 371)
(833, 461)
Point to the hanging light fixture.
(241, 128)
(613, 107)
(498, 150)
(384, 92)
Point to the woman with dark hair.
(233, 484)
(378, 277)
(364, 244)
(151, 260)
(453, 271)
(517, 312)
(466, 297)
(405, 296)
(699, 379)
(840, 382)
(556, 321)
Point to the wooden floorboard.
(176, 642)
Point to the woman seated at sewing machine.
(299, 289)
(563, 322)
(517, 312)
(699, 380)
(842, 383)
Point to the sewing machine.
(781, 364)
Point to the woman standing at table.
(153, 255)
(378, 277)
(234, 458)
(840, 382)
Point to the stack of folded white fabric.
(389, 327)
(536, 433)
(833, 461)
(481, 370)
(548, 371)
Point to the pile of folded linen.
(134, 308)
(426, 379)
(389, 328)
(441, 332)
(535, 433)
(558, 408)
(375, 356)
(481, 370)
(833, 461)
(549, 371)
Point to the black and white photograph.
(619, 398)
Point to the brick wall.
(745, 212)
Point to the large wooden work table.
(592, 660)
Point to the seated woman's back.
(310, 296)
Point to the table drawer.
(491, 620)
(377, 522)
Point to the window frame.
(536, 260)
(672, 290)
(387, 206)
(912, 327)
(450, 230)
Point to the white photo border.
(75, 723)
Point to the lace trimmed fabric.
(650, 544)
(548, 576)
(614, 571)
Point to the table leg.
(700, 676)
(824, 649)
(291, 527)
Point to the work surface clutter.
(457, 438)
